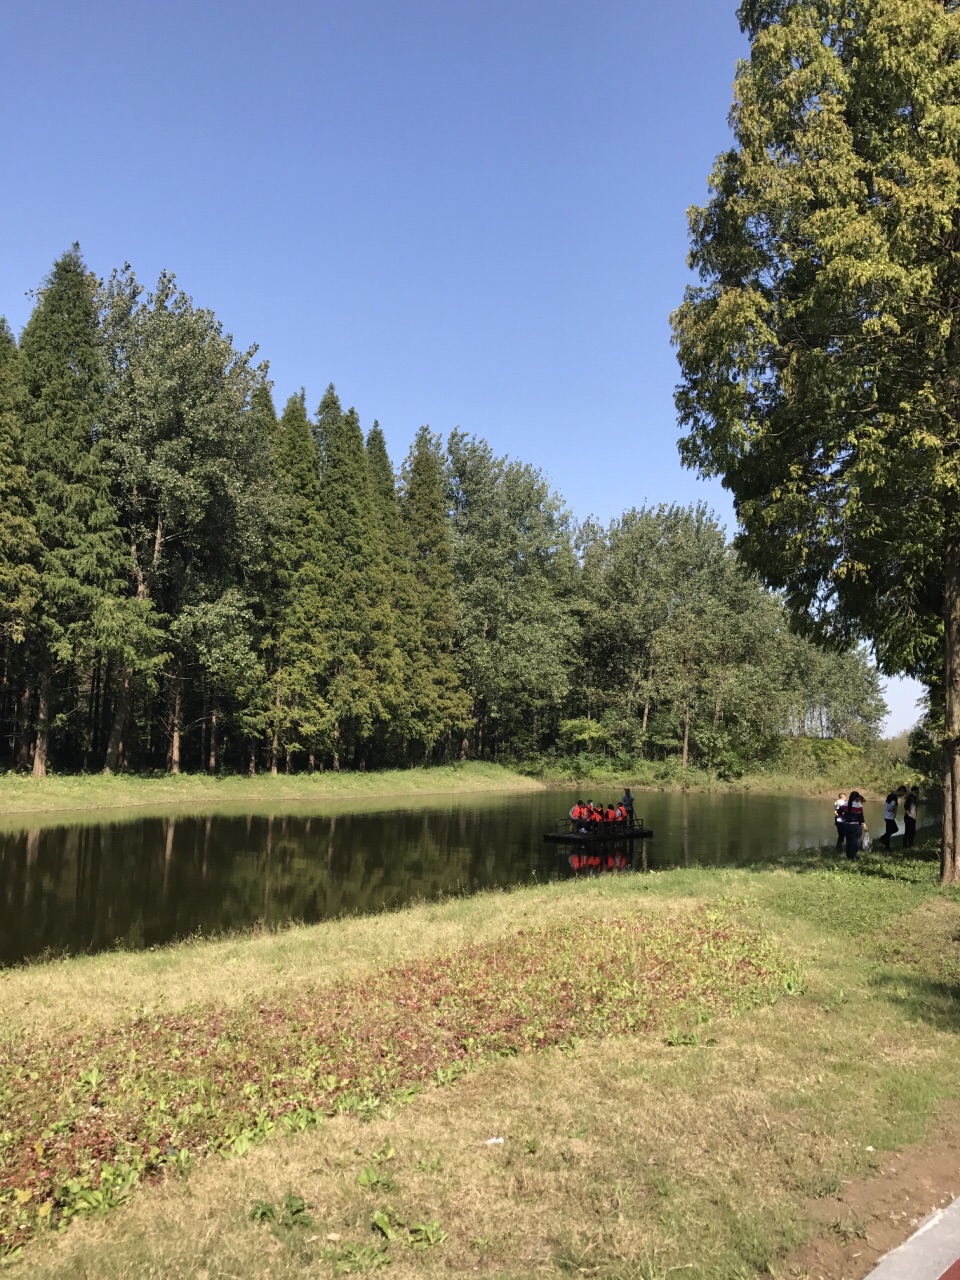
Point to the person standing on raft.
(626, 801)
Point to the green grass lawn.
(675, 1063)
(86, 792)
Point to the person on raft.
(626, 800)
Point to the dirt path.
(871, 1216)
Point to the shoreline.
(83, 793)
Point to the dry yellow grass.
(104, 988)
(629, 1157)
(626, 1160)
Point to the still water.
(137, 882)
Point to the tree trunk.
(93, 718)
(176, 723)
(275, 740)
(120, 713)
(23, 729)
(950, 852)
(212, 754)
(43, 725)
(686, 736)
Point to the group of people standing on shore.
(851, 824)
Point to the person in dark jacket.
(854, 824)
(910, 817)
(839, 808)
(890, 827)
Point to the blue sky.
(461, 213)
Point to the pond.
(136, 881)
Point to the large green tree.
(190, 473)
(439, 704)
(820, 350)
(63, 379)
(19, 545)
(514, 576)
(297, 710)
(362, 674)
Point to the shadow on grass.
(921, 998)
(907, 926)
(919, 866)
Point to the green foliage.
(188, 582)
(361, 679)
(515, 583)
(19, 545)
(188, 466)
(684, 653)
(292, 710)
(438, 703)
(818, 349)
(291, 1213)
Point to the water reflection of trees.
(88, 888)
(144, 882)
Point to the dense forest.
(189, 580)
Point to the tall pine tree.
(297, 715)
(440, 706)
(19, 545)
(363, 668)
(63, 374)
(189, 464)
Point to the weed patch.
(86, 1116)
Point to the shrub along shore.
(20, 793)
(675, 1063)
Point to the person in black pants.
(910, 818)
(839, 809)
(890, 827)
(854, 824)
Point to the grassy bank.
(679, 1066)
(21, 794)
(668, 776)
(162, 793)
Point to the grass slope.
(21, 794)
(687, 1143)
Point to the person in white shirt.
(889, 819)
(839, 807)
(910, 818)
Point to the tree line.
(190, 580)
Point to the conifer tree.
(297, 714)
(363, 668)
(189, 465)
(63, 375)
(440, 705)
(19, 546)
(398, 569)
(819, 347)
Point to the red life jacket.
(621, 813)
(610, 815)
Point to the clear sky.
(466, 213)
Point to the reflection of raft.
(601, 861)
(567, 833)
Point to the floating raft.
(600, 833)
